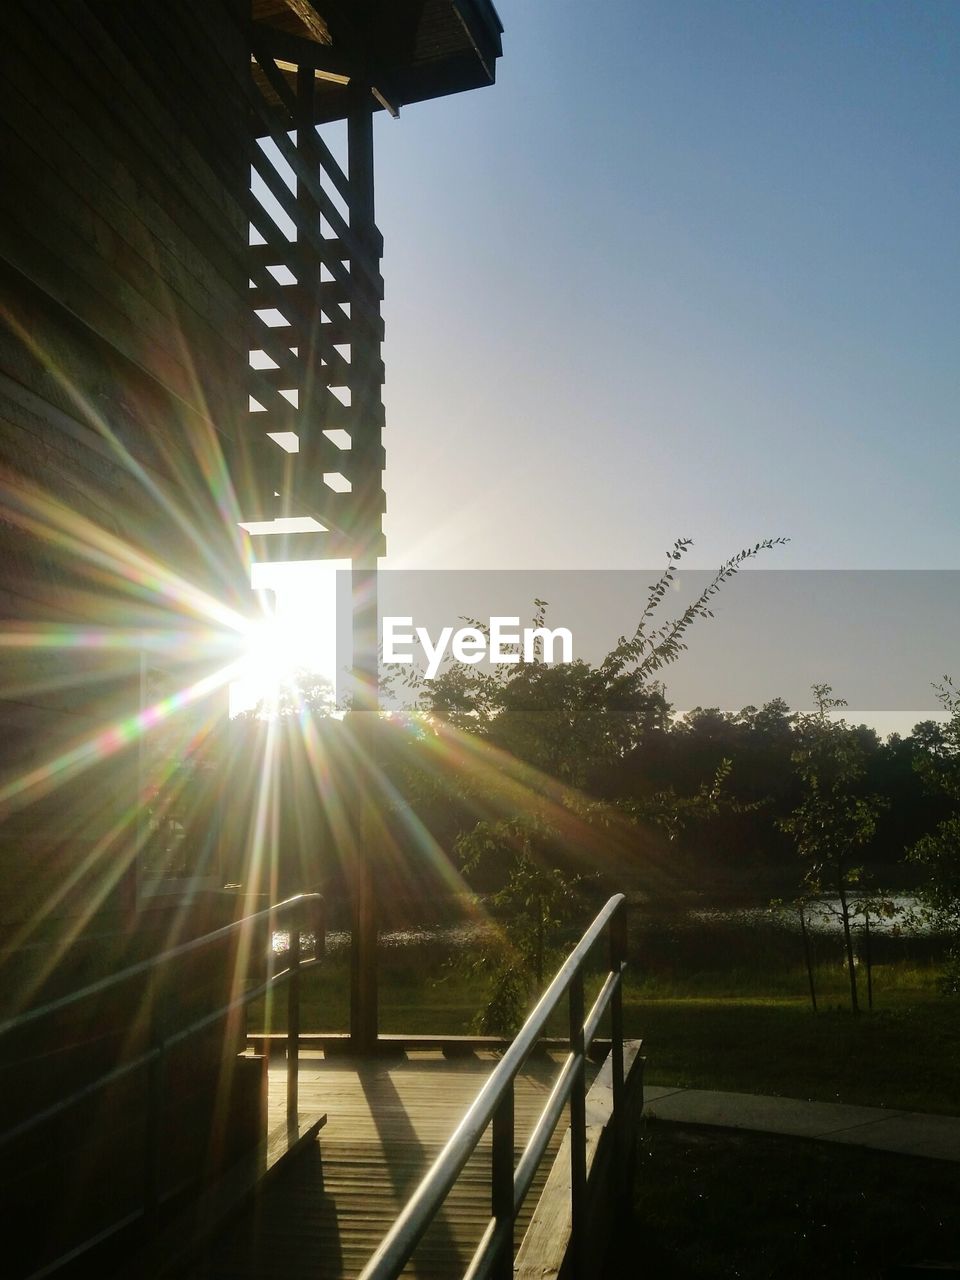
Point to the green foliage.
(574, 720)
(537, 898)
(938, 853)
(949, 982)
(651, 648)
(567, 723)
(674, 813)
(305, 692)
(834, 819)
(571, 723)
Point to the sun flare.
(274, 652)
(295, 637)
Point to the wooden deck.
(323, 1216)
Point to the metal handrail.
(153, 1058)
(494, 1104)
(154, 962)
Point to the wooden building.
(146, 458)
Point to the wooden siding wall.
(122, 351)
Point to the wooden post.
(293, 1023)
(363, 956)
(351, 523)
(366, 451)
(319, 917)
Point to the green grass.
(710, 1203)
(891, 982)
(904, 1057)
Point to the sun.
(295, 634)
(274, 653)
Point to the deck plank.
(388, 1119)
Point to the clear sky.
(690, 268)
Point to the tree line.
(525, 780)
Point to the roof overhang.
(405, 50)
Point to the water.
(455, 935)
(822, 916)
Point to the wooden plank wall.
(122, 356)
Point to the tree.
(539, 898)
(556, 731)
(938, 853)
(834, 820)
(302, 692)
(674, 813)
(574, 720)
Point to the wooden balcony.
(430, 1156)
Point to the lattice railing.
(309, 467)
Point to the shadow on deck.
(388, 1119)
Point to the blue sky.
(690, 268)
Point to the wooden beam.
(387, 98)
(334, 77)
(342, 67)
(334, 1042)
(312, 20)
(363, 256)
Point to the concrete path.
(910, 1133)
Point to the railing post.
(618, 954)
(501, 1189)
(293, 1022)
(578, 1132)
(269, 971)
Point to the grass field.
(906, 1056)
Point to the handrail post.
(578, 1131)
(269, 971)
(501, 1187)
(618, 955)
(293, 1023)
